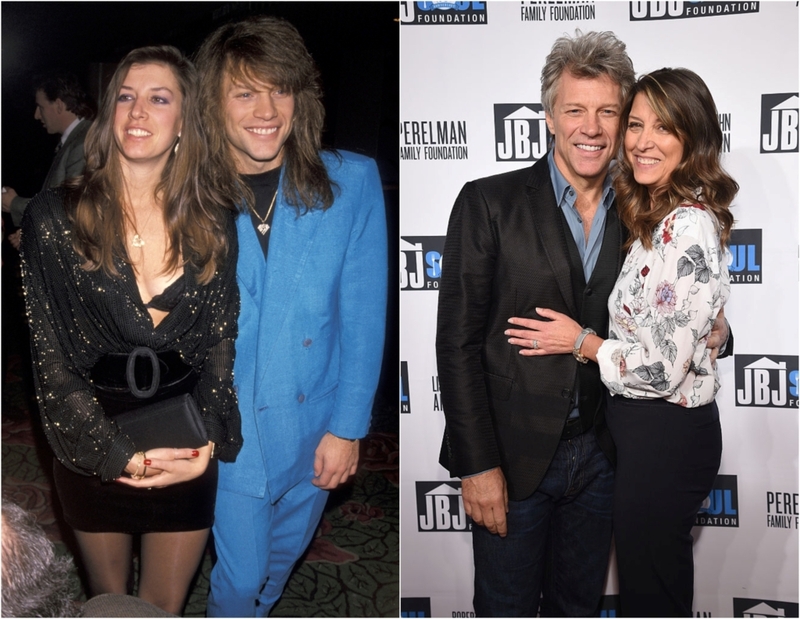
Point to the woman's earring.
(177, 143)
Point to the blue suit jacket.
(311, 329)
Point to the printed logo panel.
(766, 380)
(609, 606)
(433, 140)
(749, 607)
(782, 510)
(721, 507)
(442, 13)
(421, 262)
(646, 11)
(546, 10)
(520, 131)
(745, 265)
(779, 120)
(405, 398)
(440, 508)
(437, 394)
(725, 126)
(415, 607)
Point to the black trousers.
(667, 460)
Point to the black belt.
(125, 382)
(573, 427)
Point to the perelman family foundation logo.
(547, 10)
(432, 140)
(782, 510)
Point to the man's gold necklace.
(263, 227)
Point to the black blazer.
(508, 250)
(67, 163)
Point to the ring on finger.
(536, 344)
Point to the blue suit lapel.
(250, 266)
(290, 244)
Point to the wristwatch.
(576, 350)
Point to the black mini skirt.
(110, 507)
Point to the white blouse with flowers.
(661, 311)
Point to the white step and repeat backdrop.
(470, 108)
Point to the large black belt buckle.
(130, 372)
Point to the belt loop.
(130, 375)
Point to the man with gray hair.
(527, 435)
(36, 582)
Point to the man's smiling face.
(585, 124)
(258, 121)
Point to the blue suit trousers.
(257, 544)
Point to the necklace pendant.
(262, 228)
(137, 241)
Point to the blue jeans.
(558, 541)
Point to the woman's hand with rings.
(169, 465)
(555, 335)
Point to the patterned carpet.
(351, 568)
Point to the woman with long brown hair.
(674, 198)
(129, 270)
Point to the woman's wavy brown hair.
(194, 190)
(683, 103)
(261, 49)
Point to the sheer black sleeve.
(80, 434)
(214, 392)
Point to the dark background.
(355, 46)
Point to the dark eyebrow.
(157, 88)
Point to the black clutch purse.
(162, 415)
(175, 422)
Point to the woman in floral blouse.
(673, 196)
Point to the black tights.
(168, 563)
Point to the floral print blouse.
(661, 311)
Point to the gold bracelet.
(139, 466)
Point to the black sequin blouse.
(77, 316)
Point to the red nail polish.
(195, 453)
(146, 462)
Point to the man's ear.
(61, 107)
(549, 120)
